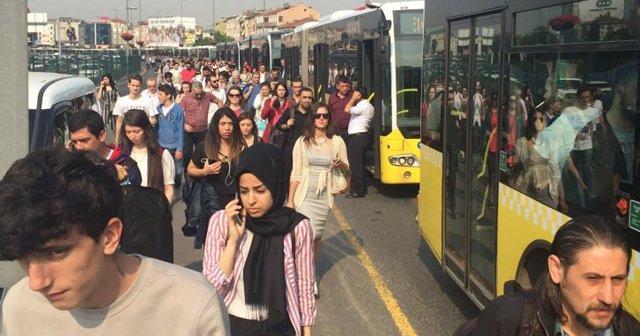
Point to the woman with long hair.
(235, 101)
(275, 107)
(107, 96)
(319, 150)
(184, 89)
(155, 163)
(248, 129)
(215, 158)
(258, 253)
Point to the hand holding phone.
(235, 223)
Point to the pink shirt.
(299, 278)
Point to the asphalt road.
(381, 227)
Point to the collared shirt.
(337, 104)
(196, 111)
(361, 115)
(299, 269)
(558, 331)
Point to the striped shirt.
(299, 278)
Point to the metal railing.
(91, 63)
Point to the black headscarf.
(264, 278)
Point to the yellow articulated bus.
(529, 117)
(378, 48)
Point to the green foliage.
(207, 41)
(222, 38)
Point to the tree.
(204, 42)
(222, 38)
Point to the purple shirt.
(337, 104)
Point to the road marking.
(398, 316)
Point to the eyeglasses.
(324, 116)
(231, 95)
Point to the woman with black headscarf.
(248, 257)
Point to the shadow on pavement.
(334, 249)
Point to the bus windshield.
(408, 56)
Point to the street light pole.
(140, 21)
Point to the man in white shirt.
(214, 88)
(78, 280)
(133, 101)
(361, 113)
(152, 91)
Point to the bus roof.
(59, 87)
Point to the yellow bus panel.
(430, 199)
(395, 146)
(523, 220)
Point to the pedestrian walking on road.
(315, 154)
(59, 218)
(155, 163)
(214, 160)
(259, 254)
(107, 96)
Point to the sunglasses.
(232, 95)
(215, 81)
(321, 115)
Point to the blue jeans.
(177, 179)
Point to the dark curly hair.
(52, 192)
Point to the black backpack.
(146, 216)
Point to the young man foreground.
(59, 219)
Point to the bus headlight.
(405, 160)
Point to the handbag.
(338, 181)
(277, 137)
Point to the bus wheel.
(533, 265)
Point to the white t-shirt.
(168, 166)
(361, 115)
(165, 299)
(220, 94)
(583, 122)
(125, 103)
(155, 101)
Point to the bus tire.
(533, 263)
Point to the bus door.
(368, 55)
(471, 97)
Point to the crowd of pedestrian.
(258, 163)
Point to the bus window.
(573, 146)
(433, 77)
(408, 50)
(584, 21)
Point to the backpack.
(146, 216)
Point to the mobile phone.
(208, 160)
(236, 217)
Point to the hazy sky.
(201, 9)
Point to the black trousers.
(356, 152)
(242, 327)
(191, 139)
(344, 134)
